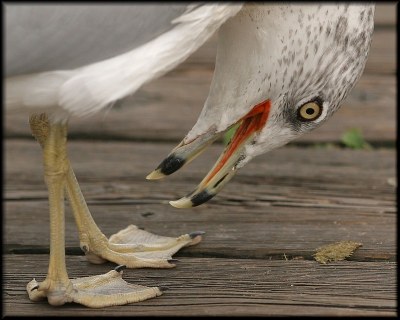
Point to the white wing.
(54, 37)
(95, 55)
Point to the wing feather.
(88, 89)
(55, 37)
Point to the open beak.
(225, 167)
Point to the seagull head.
(281, 71)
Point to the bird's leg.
(95, 291)
(57, 284)
(132, 247)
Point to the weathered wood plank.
(224, 287)
(290, 201)
(382, 56)
(385, 15)
(166, 110)
(130, 162)
(267, 232)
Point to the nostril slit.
(220, 180)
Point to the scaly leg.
(131, 246)
(96, 291)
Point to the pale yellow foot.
(131, 246)
(136, 248)
(95, 292)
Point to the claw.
(35, 288)
(120, 268)
(194, 234)
(163, 288)
(172, 260)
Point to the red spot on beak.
(252, 122)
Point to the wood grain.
(385, 15)
(205, 287)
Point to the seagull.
(281, 71)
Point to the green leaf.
(353, 139)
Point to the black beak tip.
(171, 164)
(201, 198)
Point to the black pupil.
(310, 111)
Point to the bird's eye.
(309, 111)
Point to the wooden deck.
(262, 229)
